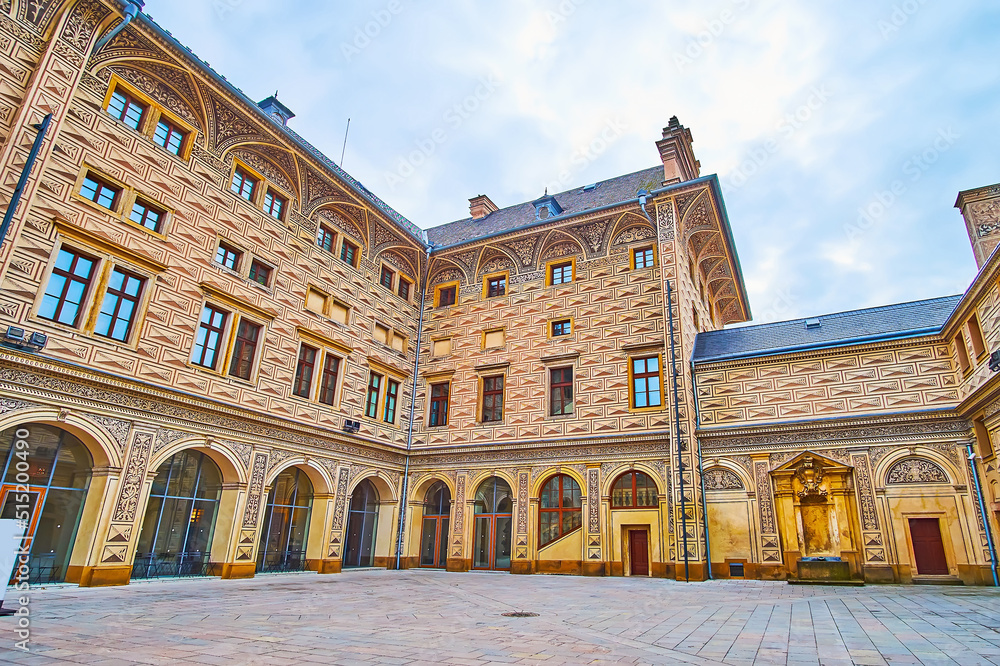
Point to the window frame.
(276, 196)
(386, 271)
(130, 97)
(373, 393)
(392, 392)
(496, 277)
(559, 509)
(239, 343)
(551, 266)
(229, 247)
(324, 231)
(220, 351)
(551, 328)
(401, 282)
(633, 264)
(300, 366)
(356, 250)
(434, 401)
(136, 302)
(125, 199)
(245, 174)
(102, 182)
(148, 206)
(635, 495)
(631, 382)
(155, 113)
(440, 289)
(494, 329)
(324, 372)
(483, 393)
(551, 385)
(87, 297)
(173, 128)
(256, 261)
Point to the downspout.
(982, 511)
(413, 409)
(132, 9)
(677, 428)
(701, 475)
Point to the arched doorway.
(176, 536)
(434, 536)
(286, 523)
(494, 516)
(361, 519)
(56, 467)
(560, 509)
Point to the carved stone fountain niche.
(814, 499)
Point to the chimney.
(278, 111)
(481, 206)
(679, 163)
(981, 209)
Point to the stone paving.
(429, 617)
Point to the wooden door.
(928, 549)
(638, 549)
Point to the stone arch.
(285, 176)
(632, 228)
(609, 479)
(168, 85)
(318, 476)
(393, 257)
(386, 488)
(915, 469)
(722, 476)
(443, 271)
(549, 472)
(102, 446)
(882, 468)
(334, 215)
(474, 482)
(228, 462)
(557, 245)
(493, 259)
(424, 483)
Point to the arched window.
(634, 490)
(434, 533)
(286, 523)
(559, 511)
(361, 519)
(493, 510)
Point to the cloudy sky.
(810, 113)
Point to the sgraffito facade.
(253, 364)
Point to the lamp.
(18, 338)
(995, 361)
(351, 426)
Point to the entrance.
(176, 536)
(434, 536)
(928, 549)
(361, 519)
(494, 516)
(286, 523)
(55, 466)
(638, 552)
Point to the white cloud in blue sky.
(807, 111)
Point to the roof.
(573, 202)
(888, 322)
(415, 231)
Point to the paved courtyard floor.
(428, 617)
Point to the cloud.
(734, 71)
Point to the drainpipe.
(413, 409)
(701, 475)
(982, 511)
(132, 9)
(677, 428)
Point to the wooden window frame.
(155, 114)
(392, 392)
(633, 252)
(172, 129)
(635, 495)
(404, 283)
(148, 207)
(276, 196)
(240, 343)
(69, 278)
(551, 266)
(121, 295)
(228, 248)
(976, 337)
(559, 510)
(552, 324)
(245, 173)
(483, 392)
(631, 382)
(256, 262)
(355, 256)
(219, 351)
(126, 197)
(376, 381)
(496, 277)
(322, 233)
(102, 183)
(299, 380)
(552, 386)
(386, 271)
(130, 98)
(325, 372)
(436, 401)
(439, 289)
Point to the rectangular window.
(316, 301)
(381, 334)
(963, 353)
(496, 286)
(403, 289)
(562, 327)
(385, 279)
(99, 191)
(561, 391)
(439, 404)
(646, 382)
(371, 404)
(493, 398)
(398, 342)
(561, 273)
(209, 337)
(349, 253)
(126, 108)
(68, 285)
(228, 256)
(302, 384)
(147, 215)
(274, 205)
(328, 380)
(446, 296)
(391, 397)
(260, 272)
(339, 312)
(244, 350)
(121, 302)
(243, 184)
(169, 136)
(642, 257)
(493, 338)
(324, 238)
(441, 347)
(976, 336)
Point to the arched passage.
(434, 531)
(362, 518)
(494, 518)
(286, 523)
(54, 467)
(177, 528)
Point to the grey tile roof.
(573, 202)
(843, 328)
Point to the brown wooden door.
(638, 549)
(928, 549)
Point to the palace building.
(222, 355)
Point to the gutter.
(132, 9)
(701, 469)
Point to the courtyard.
(432, 617)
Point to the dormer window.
(546, 207)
